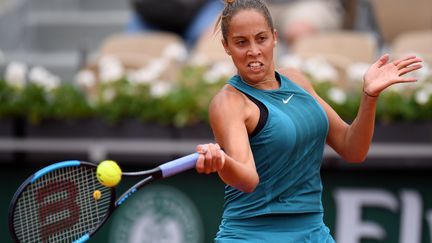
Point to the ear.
(225, 45)
(275, 36)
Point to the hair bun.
(229, 1)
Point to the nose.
(254, 50)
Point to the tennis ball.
(108, 173)
(97, 195)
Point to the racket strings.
(60, 207)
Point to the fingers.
(201, 149)
(211, 158)
(406, 65)
(409, 69)
(399, 62)
(382, 60)
(406, 80)
(200, 164)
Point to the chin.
(256, 77)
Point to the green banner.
(362, 206)
(368, 206)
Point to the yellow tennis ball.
(108, 173)
(97, 195)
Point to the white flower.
(199, 59)
(320, 69)
(15, 74)
(141, 77)
(337, 95)
(158, 66)
(108, 95)
(110, 69)
(422, 97)
(176, 52)
(160, 89)
(218, 71)
(423, 93)
(85, 78)
(38, 74)
(427, 87)
(291, 61)
(134, 77)
(421, 74)
(43, 78)
(51, 83)
(149, 73)
(356, 71)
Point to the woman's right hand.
(211, 158)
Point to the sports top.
(288, 151)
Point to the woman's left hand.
(383, 74)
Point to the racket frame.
(33, 178)
(163, 171)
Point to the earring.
(275, 42)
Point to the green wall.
(369, 205)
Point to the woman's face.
(250, 42)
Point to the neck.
(265, 84)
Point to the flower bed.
(148, 96)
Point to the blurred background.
(130, 80)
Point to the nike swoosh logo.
(285, 101)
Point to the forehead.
(246, 22)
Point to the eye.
(240, 42)
(262, 38)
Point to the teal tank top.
(288, 151)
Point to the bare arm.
(236, 167)
(352, 141)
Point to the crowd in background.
(293, 18)
(329, 40)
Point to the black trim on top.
(262, 118)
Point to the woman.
(272, 127)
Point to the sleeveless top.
(288, 151)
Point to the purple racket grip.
(179, 165)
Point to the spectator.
(300, 18)
(188, 18)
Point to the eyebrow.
(241, 36)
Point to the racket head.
(57, 204)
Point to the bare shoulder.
(297, 77)
(227, 101)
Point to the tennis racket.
(59, 202)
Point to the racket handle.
(179, 165)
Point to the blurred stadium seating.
(58, 34)
(395, 17)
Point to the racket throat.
(155, 173)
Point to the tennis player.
(272, 127)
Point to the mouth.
(255, 66)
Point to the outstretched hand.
(383, 74)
